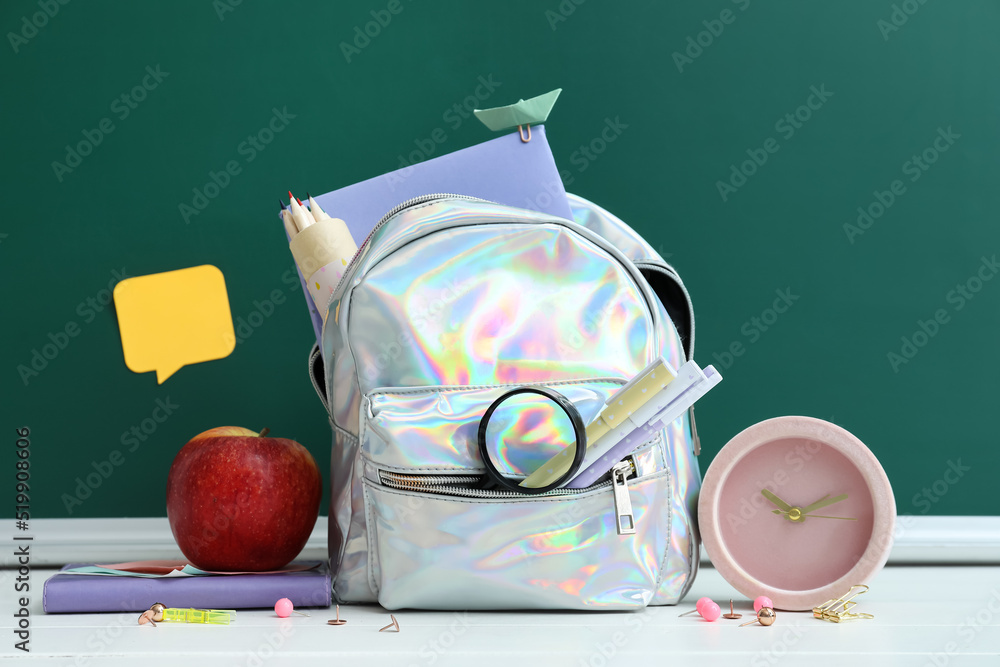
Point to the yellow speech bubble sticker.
(173, 319)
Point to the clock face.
(795, 550)
(797, 509)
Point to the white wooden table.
(922, 614)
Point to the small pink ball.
(701, 603)
(283, 608)
(762, 601)
(710, 611)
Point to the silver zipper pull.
(623, 503)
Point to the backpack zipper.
(467, 486)
(624, 519)
(420, 200)
(429, 483)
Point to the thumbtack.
(152, 615)
(732, 614)
(394, 624)
(710, 611)
(338, 620)
(284, 608)
(697, 606)
(765, 616)
(707, 608)
(762, 601)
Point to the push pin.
(732, 614)
(152, 615)
(394, 624)
(697, 607)
(765, 616)
(338, 620)
(707, 608)
(284, 608)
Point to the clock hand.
(823, 498)
(781, 504)
(817, 516)
(786, 511)
(823, 502)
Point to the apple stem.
(264, 431)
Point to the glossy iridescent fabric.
(438, 552)
(682, 563)
(434, 429)
(447, 303)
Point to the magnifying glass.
(523, 430)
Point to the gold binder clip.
(839, 609)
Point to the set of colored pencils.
(297, 217)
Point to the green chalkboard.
(823, 175)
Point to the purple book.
(504, 170)
(85, 593)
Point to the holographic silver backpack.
(448, 302)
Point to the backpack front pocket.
(438, 551)
(437, 540)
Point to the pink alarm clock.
(797, 509)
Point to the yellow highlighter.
(618, 407)
(159, 613)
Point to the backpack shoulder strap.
(661, 276)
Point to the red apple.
(240, 501)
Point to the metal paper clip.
(839, 609)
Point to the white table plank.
(921, 613)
